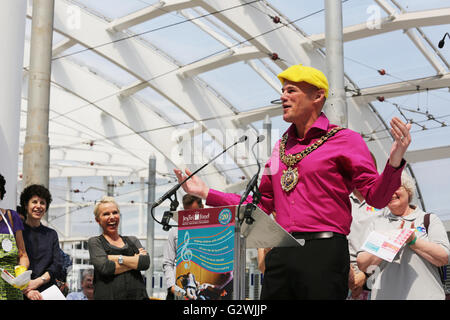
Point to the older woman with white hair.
(414, 273)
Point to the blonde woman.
(118, 260)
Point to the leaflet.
(386, 246)
(17, 282)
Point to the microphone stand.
(239, 238)
(252, 187)
(172, 192)
(251, 206)
(167, 215)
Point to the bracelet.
(413, 241)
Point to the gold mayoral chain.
(289, 178)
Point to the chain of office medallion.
(291, 159)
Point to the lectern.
(211, 248)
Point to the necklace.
(289, 178)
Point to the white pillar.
(142, 207)
(68, 217)
(36, 150)
(12, 22)
(336, 106)
(150, 245)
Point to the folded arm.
(129, 262)
(432, 252)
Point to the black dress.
(129, 285)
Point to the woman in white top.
(413, 274)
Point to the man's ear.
(320, 93)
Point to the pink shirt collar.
(320, 127)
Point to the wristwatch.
(43, 278)
(120, 260)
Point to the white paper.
(52, 293)
(386, 246)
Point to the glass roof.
(180, 80)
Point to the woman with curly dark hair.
(13, 256)
(41, 242)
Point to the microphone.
(178, 185)
(242, 139)
(172, 192)
(254, 180)
(442, 42)
(276, 101)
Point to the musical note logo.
(186, 253)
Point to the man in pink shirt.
(307, 182)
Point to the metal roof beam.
(220, 60)
(207, 29)
(418, 41)
(259, 114)
(424, 36)
(399, 22)
(397, 89)
(274, 84)
(151, 12)
(62, 46)
(430, 154)
(132, 89)
(430, 56)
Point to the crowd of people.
(321, 185)
(27, 244)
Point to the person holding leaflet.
(13, 255)
(414, 273)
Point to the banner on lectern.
(205, 253)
